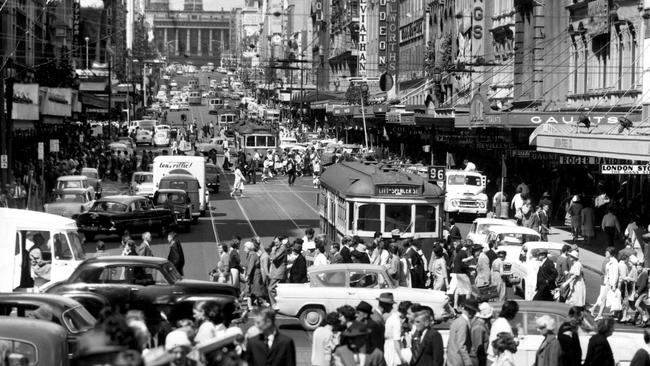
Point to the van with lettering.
(465, 193)
(182, 164)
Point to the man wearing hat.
(354, 350)
(459, 343)
(386, 303)
(546, 277)
(178, 345)
(480, 334)
(298, 271)
(376, 339)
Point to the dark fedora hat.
(356, 329)
(386, 298)
(365, 307)
(471, 304)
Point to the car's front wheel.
(312, 317)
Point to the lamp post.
(87, 39)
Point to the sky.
(178, 4)
(92, 3)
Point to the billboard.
(363, 33)
(25, 102)
(381, 44)
(57, 102)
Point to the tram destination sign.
(398, 190)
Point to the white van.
(56, 236)
(182, 164)
(143, 124)
(465, 192)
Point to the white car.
(336, 285)
(163, 128)
(161, 138)
(144, 137)
(184, 106)
(70, 202)
(173, 84)
(174, 107)
(287, 142)
(481, 226)
(142, 184)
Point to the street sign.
(625, 169)
(4, 162)
(41, 151)
(54, 145)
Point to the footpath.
(591, 256)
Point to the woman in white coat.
(239, 182)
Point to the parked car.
(178, 201)
(212, 179)
(74, 181)
(349, 284)
(141, 184)
(139, 282)
(70, 202)
(213, 145)
(34, 342)
(114, 214)
(624, 342)
(93, 179)
(481, 226)
(144, 137)
(161, 138)
(66, 312)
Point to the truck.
(56, 237)
(465, 192)
(182, 164)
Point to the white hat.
(575, 198)
(231, 336)
(485, 311)
(574, 254)
(177, 338)
(634, 259)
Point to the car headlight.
(454, 202)
(481, 204)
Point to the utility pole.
(110, 95)
(3, 125)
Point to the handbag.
(487, 293)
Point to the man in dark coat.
(376, 336)
(545, 277)
(426, 346)
(345, 249)
(270, 347)
(354, 349)
(176, 256)
(454, 231)
(298, 271)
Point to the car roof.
(178, 176)
(544, 244)
(502, 229)
(89, 170)
(37, 332)
(72, 177)
(346, 267)
(495, 222)
(171, 190)
(121, 199)
(35, 220)
(124, 259)
(58, 303)
(142, 173)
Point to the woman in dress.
(320, 259)
(497, 274)
(393, 338)
(574, 212)
(438, 269)
(504, 347)
(575, 281)
(254, 285)
(239, 182)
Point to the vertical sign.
(363, 33)
(319, 11)
(392, 37)
(41, 151)
(381, 44)
(76, 15)
(478, 26)
(54, 145)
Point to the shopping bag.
(614, 300)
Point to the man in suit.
(265, 262)
(335, 253)
(278, 271)
(298, 271)
(546, 277)
(345, 250)
(376, 339)
(544, 227)
(176, 256)
(270, 347)
(354, 350)
(460, 342)
(426, 345)
(454, 231)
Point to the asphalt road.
(266, 210)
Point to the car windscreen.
(78, 319)
(76, 246)
(90, 174)
(62, 184)
(459, 179)
(516, 238)
(211, 170)
(145, 178)
(107, 206)
(70, 197)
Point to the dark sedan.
(68, 313)
(115, 214)
(134, 282)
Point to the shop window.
(398, 217)
(425, 218)
(369, 218)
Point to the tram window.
(270, 141)
(425, 218)
(350, 216)
(250, 141)
(260, 141)
(398, 217)
(369, 218)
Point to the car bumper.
(467, 210)
(92, 229)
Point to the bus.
(380, 198)
(194, 98)
(252, 137)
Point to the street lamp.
(87, 39)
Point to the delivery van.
(182, 164)
(55, 235)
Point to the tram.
(252, 137)
(361, 198)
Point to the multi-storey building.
(344, 38)
(320, 48)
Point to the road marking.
(214, 229)
(305, 202)
(283, 210)
(242, 209)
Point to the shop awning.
(94, 100)
(315, 96)
(603, 140)
(533, 119)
